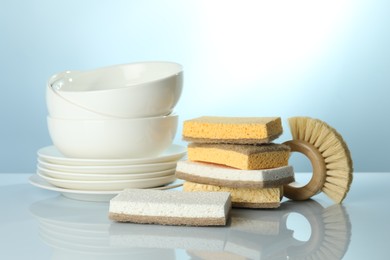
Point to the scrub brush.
(329, 156)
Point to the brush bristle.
(334, 150)
(337, 230)
(330, 234)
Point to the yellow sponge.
(242, 197)
(241, 156)
(240, 130)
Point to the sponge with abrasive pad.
(171, 207)
(241, 156)
(238, 130)
(242, 197)
(214, 174)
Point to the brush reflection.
(81, 230)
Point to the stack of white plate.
(101, 179)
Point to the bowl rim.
(58, 95)
(172, 115)
(61, 74)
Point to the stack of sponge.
(236, 155)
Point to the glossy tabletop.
(41, 224)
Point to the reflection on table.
(81, 230)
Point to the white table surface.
(41, 224)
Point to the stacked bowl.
(113, 127)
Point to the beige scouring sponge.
(241, 156)
(241, 130)
(242, 197)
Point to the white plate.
(102, 177)
(110, 185)
(88, 195)
(118, 169)
(52, 155)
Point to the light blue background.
(324, 59)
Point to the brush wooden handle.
(313, 212)
(295, 191)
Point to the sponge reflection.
(250, 234)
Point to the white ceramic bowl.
(59, 107)
(144, 89)
(113, 138)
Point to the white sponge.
(171, 207)
(219, 175)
